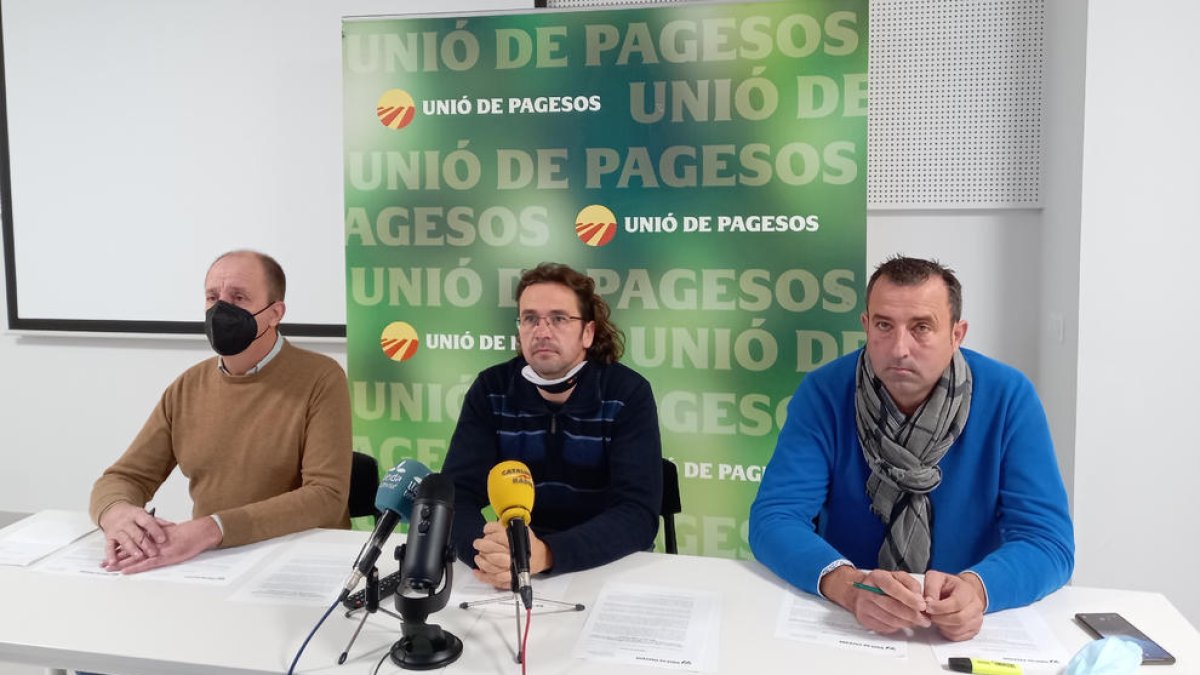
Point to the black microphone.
(428, 534)
(395, 499)
(426, 559)
(518, 545)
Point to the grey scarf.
(903, 453)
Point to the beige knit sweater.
(269, 453)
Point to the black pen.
(151, 512)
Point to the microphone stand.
(425, 646)
(554, 607)
(372, 606)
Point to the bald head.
(273, 276)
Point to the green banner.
(706, 164)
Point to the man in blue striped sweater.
(913, 455)
(585, 425)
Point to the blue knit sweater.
(596, 461)
(1000, 511)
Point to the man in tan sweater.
(262, 432)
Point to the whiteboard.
(146, 137)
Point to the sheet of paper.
(673, 628)
(217, 567)
(469, 589)
(304, 573)
(82, 557)
(41, 534)
(1014, 636)
(806, 618)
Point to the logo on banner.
(395, 109)
(595, 225)
(399, 341)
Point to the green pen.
(868, 587)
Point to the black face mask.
(231, 329)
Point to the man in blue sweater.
(585, 425)
(913, 455)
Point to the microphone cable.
(304, 645)
(525, 640)
(379, 663)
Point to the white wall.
(1057, 339)
(991, 252)
(1137, 454)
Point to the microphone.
(428, 534)
(510, 490)
(394, 499)
(425, 560)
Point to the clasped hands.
(493, 562)
(136, 541)
(953, 603)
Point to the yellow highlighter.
(982, 667)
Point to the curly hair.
(608, 343)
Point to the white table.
(123, 626)
(10, 517)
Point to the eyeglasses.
(554, 321)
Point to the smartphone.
(1111, 624)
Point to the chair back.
(670, 504)
(364, 483)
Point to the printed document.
(41, 534)
(672, 628)
(217, 567)
(1014, 636)
(806, 618)
(304, 574)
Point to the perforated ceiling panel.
(955, 103)
(955, 113)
